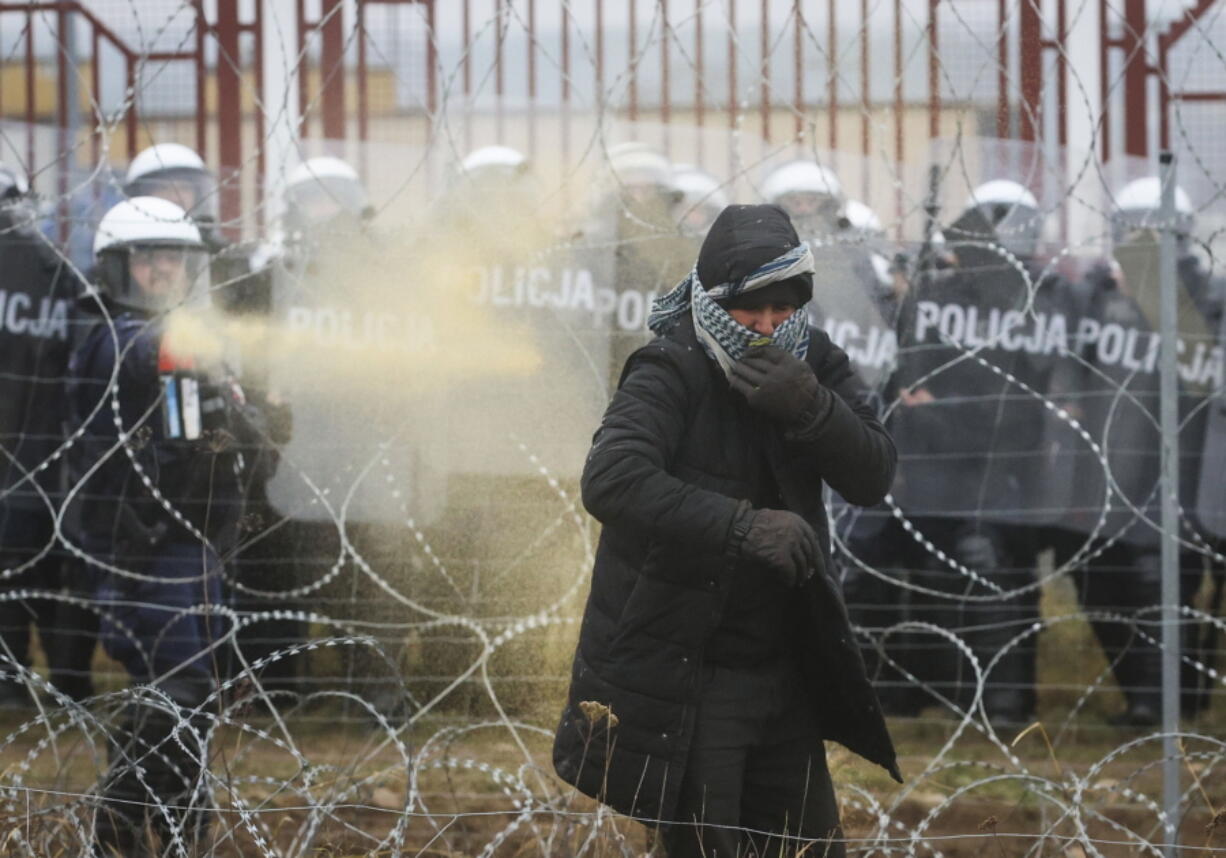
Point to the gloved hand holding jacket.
(784, 543)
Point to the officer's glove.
(783, 542)
(779, 385)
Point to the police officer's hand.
(779, 385)
(783, 542)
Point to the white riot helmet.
(702, 198)
(500, 162)
(13, 183)
(861, 221)
(324, 191)
(176, 173)
(1138, 205)
(642, 173)
(16, 202)
(150, 256)
(810, 193)
(1011, 211)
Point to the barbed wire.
(398, 612)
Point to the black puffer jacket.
(668, 475)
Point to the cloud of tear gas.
(466, 343)
(362, 319)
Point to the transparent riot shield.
(980, 335)
(638, 254)
(553, 308)
(351, 366)
(855, 302)
(1111, 386)
(1210, 487)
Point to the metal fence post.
(1170, 513)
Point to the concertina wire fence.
(400, 596)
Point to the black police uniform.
(35, 334)
(160, 555)
(1114, 394)
(969, 470)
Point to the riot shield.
(855, 304)
(358, 448)
(557, 306)
(1211, 488)
(978, 343)
(1111, 386)
(646, 256)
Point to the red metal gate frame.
(99, 32)
(1137, 72)
(1166, 42)
(1032, 47)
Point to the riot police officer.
(811, 194)
(1137, 208)
(1114, 393)
(337, 558)
(970, 424)
(701, 198)
(856, 302)
(324, 196)
(167, 436)
(39, 289)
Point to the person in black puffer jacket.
(715, 654)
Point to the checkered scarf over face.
(722, 336)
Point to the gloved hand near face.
(779, 385)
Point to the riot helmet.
(494, 165)
(1004, 212)
(643, 176)
(495, 182)
(810, 193)
(150, 256)
(13, 183)
(325, 194)
(702, 199)
(1138, 206)
(861, 222)
(175, 173)
(16, 201)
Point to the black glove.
(779, 385)
(783, 542)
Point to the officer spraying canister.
(167, 439)
(36, 296)
(978, 345)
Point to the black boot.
(153, 788)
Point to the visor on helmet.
(326, 198)
(155, 276)
(811, 212)
(194, 191)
